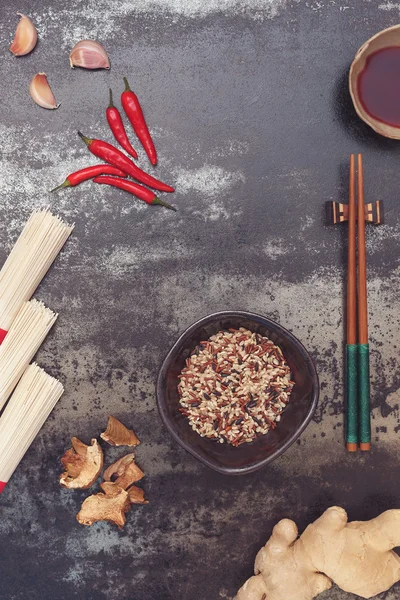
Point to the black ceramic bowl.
(295, 418)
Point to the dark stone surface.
(251, 116)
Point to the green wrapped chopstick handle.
(363, 395)
(352, 393)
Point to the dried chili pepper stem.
(116, 158)
(88, 173)
(117, 127)
(134, 112)
(137, 190)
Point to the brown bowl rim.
(169, 420)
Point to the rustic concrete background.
(248, 104)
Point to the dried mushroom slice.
(110, 488)
(131, 474)
(126, 470)
(82, 465)
(118, 468)
(136, 495)
(117, 434)
(111, 506)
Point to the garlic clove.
(89, 54)
(25, 38)
(41, 93)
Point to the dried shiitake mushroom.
(117, 434)
(82, 464)
(118, 468)
(136, 495)
(110, 506)
(126, 470)
(117, 496)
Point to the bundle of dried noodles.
(28, 262)
(27, 332)
(31, 403)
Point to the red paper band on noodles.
(2, 485)
(3, 334)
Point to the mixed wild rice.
(234, 386)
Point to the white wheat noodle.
(28, 262)
(21, 343)
(31, 403)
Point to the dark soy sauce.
(379, 86)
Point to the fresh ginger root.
(357, 556)
(284, 570)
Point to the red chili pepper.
(118, 129)
(88, 173)
(134, 112)
(115, 157)
(134, 188)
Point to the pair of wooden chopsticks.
(358, 425)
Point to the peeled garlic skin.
(89, 54)
(41, 93)
(25, 38)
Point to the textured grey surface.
(248, 104)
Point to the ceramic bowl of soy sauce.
(374, 82)
(247, 457)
